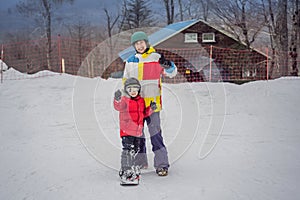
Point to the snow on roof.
(160, 36)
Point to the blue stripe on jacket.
(133, 59)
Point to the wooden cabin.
(201, 52)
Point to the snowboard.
(130, 182)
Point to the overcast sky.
(89, 10)
(83, 4)
(7, 4)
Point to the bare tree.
(243, 18)
(206, 5)
(198, 9)
(283, 39)
(295, 36)
(81, 32)
(180, 10)
(42, 12)
(170, 10)
(110, 22)
(276, 14)
(110, 26)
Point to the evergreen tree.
(136, 14)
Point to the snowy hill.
(59, 140)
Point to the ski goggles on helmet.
(133, 88)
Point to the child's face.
(133, 91)
(140, 46)
(133, 94)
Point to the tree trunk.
(47, 16)
(169, 5)
(294, 49)
(180, 10)
(279, 38)
(282, 39)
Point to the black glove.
(118, 95)
(153, 106)
(164, 63)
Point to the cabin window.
(190, 37)
(208, 37)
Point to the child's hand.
(153, 106)
(164, 63)
(118, 95)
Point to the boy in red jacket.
(132, 112)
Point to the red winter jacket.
(132, 112)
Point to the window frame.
(208, 40)
(189, 38)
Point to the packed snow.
(60, 140)
(3, 66)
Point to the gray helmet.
(132, 82)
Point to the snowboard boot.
(163, 171)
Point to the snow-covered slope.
(59, 140)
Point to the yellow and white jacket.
(146, 68)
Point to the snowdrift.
(3, 66)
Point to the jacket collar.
(148, 52)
